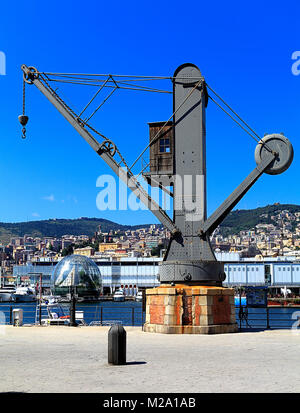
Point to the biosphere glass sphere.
(77, 271)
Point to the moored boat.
(139, 296)
(7, 294)
(25, 294)
(119, 295)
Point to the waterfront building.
(86, 251)
(125, 272)
(142, 272)
(109, 246)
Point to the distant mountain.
(236, 221)
(245, 219)
(59, 227)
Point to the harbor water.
(129, 313)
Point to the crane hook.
(23, 133)
(23, 119)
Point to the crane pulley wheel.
(108, 146)
(280, 146)
(33, 73)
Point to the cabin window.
(164, 145)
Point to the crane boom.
(126, 176)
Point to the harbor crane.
(181, 143)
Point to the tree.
(155, 251)
(68, 250)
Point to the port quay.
(150, 210)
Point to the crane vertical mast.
(189, 257)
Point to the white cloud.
(49, 198)
(35, 214)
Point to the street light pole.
(73, 305)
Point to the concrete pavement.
(65, 359)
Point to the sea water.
(129, 313)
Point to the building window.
(164, 145)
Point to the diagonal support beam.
(127, 177)
(220, 213)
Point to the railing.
(94, 314)
(128, 315)
(270, 317)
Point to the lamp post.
(73, 303)
(40, 292)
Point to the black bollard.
(117, 345)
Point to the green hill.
(59, 227)
(238, 220)
(245, 219)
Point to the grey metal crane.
(189, 257)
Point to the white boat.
(57, 315)
(119, 295)
(50, 299)
(7, 294)
(139, 296)
(25, 294)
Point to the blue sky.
(243, 49)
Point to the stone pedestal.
(184, 309)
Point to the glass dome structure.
(78, 271)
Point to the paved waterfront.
(65, 359)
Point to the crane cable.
(89, 79)
(23, 112)
(86, 124)
(78, 79)
(254, 135)
(173, 114)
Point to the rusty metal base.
(185, 309)
(212, 329)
